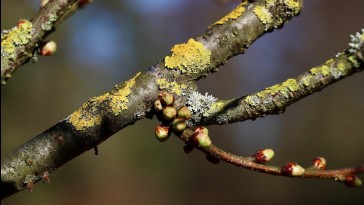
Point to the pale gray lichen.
(47, 25)
(356, 42)
(199, 104)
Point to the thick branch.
(102, 116)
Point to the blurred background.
(109, 41)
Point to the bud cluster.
(172, 118)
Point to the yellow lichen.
(270, 3)
(323, 69)
(215, 107)
(118, 100)
(307, 80)
(294, 5)
(173, 87)
(263, 14)
(284, 88)
(291, 84)
(353, 61)
(189, 58)
(17, 36)
(341, 66)
(87, 115)
(270, 90)
(234, 14)
(252, 100)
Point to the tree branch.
(252, 163)
(275, 99)
(102, 116)
(19, 44)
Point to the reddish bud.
(184, 112)
(45, 177)
(319, 163)
(202, 139)
(179, 124)
(293, 169)
(201, 130)
(162, 133)
(352, 181)
(30, 186)
(21, 21)
(263, 156)
(169, 113)
(166, 98)
(48, 48)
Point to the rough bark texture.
(100, 117)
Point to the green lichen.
(47, 25)
(341, 66)
(263, 14)
(189, 58)
(252, 100)
(173, 87)
(307, 80)
(234, 14)
(322, 70)
(354, 61)
(16, 37)
(291, 84)
(214, 108)
(267, 95)
(270, 3)
(294, 5)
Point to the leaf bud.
(293, 169)
(263, 155)
(162, 133)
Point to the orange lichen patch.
(234, 14)
(189, 58)
(118, 100)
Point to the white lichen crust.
(199, 104)
(356, 42)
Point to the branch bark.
(100, 117)
(19, 44)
